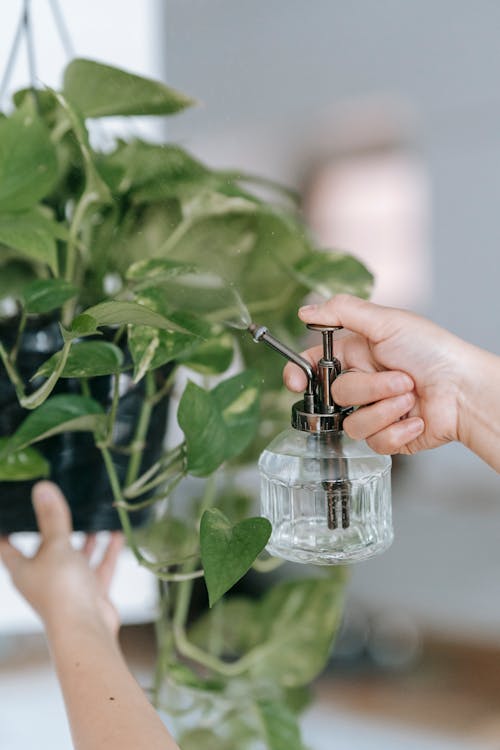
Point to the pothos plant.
(145, 240)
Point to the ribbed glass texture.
(327, 497)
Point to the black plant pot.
(76, 464)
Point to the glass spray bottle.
(327, 497)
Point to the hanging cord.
(62, 29)
(25, 28)
(12, 56)
(30, 49)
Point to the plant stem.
(166, 462)
(20, 331)
(152, 500)
(71, 247)
(157, 481)
(119, 333)
(117, 495)
(141, 430)
(84, 384)
(114, 405)
(12, 373)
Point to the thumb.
(370, 320)
(51, 510)
(10, 556)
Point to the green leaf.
(32, 234)
(154, 271)
(87, 359)
(227, 552)
(62, 413)
(81, 326)
(152, 347)
(96, 190)
(45, 295)
(166, 169)
(237, 399)
(204, 429)
(169, 540)
(233, 623)
(120, 313)
(36, 399)
(28, 164)
(328, 273)
(101, 90)
(211, 357)
(218, 424)
(280, 727)
(22, 465)
(193, 288)
(299, 620)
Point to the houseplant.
(138, 260)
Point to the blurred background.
(386, 117)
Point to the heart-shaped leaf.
(101, 90)
(45, 295)
(64, 413)
(86, 359)
(22, 465)
(227, 551)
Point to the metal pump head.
(317, 412)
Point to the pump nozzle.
(260, 333)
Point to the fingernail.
(42, 492)
(308, 308)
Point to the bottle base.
(314, 543)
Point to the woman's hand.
(58, 581)
(405, 373)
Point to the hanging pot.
(76, 464)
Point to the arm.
(106, 707)
(417, 386)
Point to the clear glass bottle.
(327, 497)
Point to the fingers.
(372, 419)
(394, 438)
(10, 556)
(51, 510)
(372, 321)
(360, 388)
(106, 567)
(89, 546)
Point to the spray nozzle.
(317, 412)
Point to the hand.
(404, 372)
(58, 581)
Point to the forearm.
(106, 707)
(479, 407)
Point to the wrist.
(479, 404)
(66, 625)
